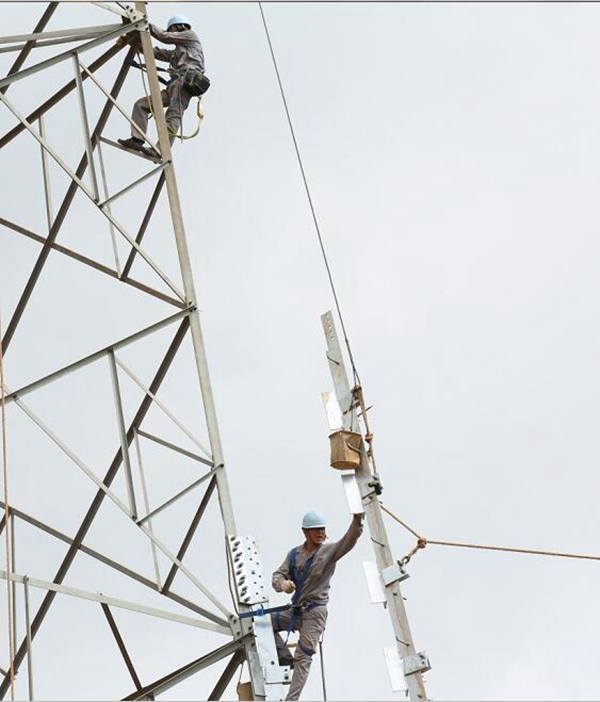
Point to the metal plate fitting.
(394, 573)
(419, 663)
(247, 570)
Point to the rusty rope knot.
(421, 543)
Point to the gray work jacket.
(318, 582)
(187, 51)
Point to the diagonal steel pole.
(144, 224)
(121, 644)
(236, 660)
(253, 653)
(190, 535)
(174, 447)
(119, 503)
(116, 602)
(97, 502)
(64, 34)
(26, 50)
(62, 212)
(91, 263)
(60, 94)
(66, 55)
(186, 671)
(140, 464)
(178, 496)
(97, 355)
(188, 282)
(81, 185)
(28, 519)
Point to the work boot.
(132, 143)
(150, 151)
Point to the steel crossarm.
(115, 602)
(119, 567)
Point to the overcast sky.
(453, 155)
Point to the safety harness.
(196, 82)
(299, 576)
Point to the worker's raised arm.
(348, 541)
(163, 54)
(282, 577)
(185, 38)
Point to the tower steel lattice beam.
(250, 641)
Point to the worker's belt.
(194, 80)
(261, 611)
(297, 610)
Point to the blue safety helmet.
(178, 19)
(313, 520)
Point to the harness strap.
(299, 576)
(261, 611)
(305, 650)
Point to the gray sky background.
(453, 153)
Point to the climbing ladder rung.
(116, 145)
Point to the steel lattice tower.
(161, 483)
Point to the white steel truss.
(203, 609)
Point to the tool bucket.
(244, 691)
(345, 449)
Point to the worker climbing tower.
(117, 515)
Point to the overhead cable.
(308, 195)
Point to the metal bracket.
(274, 675)
(277, 675)
(247, 570)
(370, 487)
(394, 573)
(419, 663)
(132, 14)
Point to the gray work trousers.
(310, 625)
(175, 97)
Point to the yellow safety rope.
(7, 526)
(199, 111)
(423, 542)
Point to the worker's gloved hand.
(288, 586)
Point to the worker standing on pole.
(306, 572)
(186, 68)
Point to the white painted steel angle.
(149, 533)
(119, 227)
(394, 668)
(393, 574)
(275, 675)
(332, 410)
(352, 492)
(164, 408)
(247, 570)
(419, 663)
(376, 593)
(114, 602)
(59, 33)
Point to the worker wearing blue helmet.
(187, 57)
(306, 574)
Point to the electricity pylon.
(154, 451)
